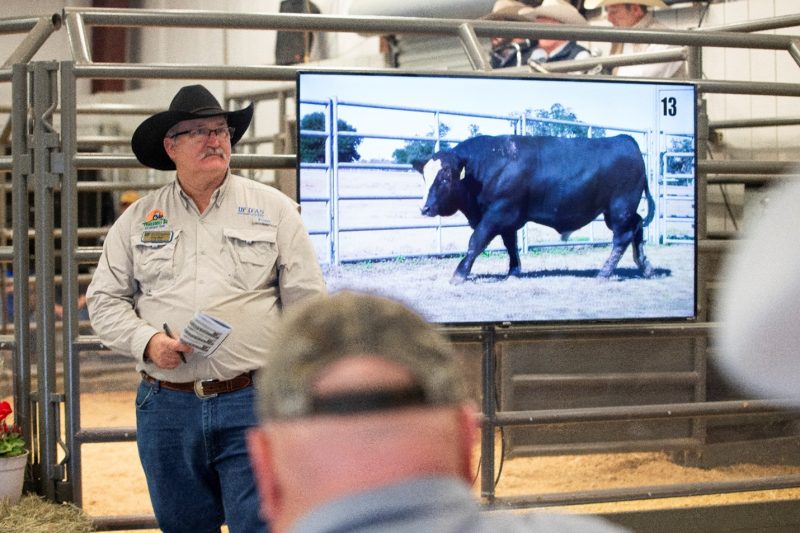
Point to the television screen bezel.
(533, 77)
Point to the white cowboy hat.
(591, 4)
(559, 10)
(506, 4)
(509, 10)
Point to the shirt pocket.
(154, 263)
(255, 251)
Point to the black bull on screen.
(502, 182)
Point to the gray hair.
(324, 330)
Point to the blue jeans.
(195, 459)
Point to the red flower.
(11, 441)
(5, 410)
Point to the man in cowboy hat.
(211, 242)
(635, 14)
(521, 51)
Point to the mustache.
(208, 152)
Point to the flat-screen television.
(494, 199)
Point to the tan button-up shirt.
(242, 261)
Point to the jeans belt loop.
(198, 389)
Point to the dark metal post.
(20, 173)
(489, 410)
(71, 490)
(45, 138)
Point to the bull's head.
(442, 175)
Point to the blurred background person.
(521, 51)
(126, 199)
(513, 52)
(635, 14)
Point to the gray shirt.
(242, 261)
(439, 504)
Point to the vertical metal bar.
(335, 185)
(694, 62)
(43, 140)
(701, 190)
(69, 274)
(489, 410)
(20, 173)
(473, 48)
(699, 425)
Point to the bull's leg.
(478, 242)
(626, 231)
(622, 238)
(510, 240)
(638, 254)
(612, 261)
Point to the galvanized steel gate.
(44, 162)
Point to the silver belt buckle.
(198, 389)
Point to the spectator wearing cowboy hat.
(208, 241)
(522, 51)
(635, 14)
(126, 199)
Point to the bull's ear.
(419, 164)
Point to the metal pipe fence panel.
(353, 184)
(28, 161)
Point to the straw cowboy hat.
(128, 197)
(504, 4)
(508, 10)
(191, 102)
(559, 10)
(591, 4)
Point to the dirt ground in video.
(555, 284)
(113, 482)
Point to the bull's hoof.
(648, 271)
(516, 272)
(604, 274)
(457, 279)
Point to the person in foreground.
(635, 14)
(365, 426)
(209, 241)
(759, 334)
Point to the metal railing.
(41, 154)
(330, 226)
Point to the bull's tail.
(651, 205)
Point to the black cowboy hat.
(192, 101)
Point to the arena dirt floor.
(113, 483)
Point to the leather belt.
(204, 388)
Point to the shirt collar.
(557, 50)
(414, 498)
(216, 197)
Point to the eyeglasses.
(201, 134)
